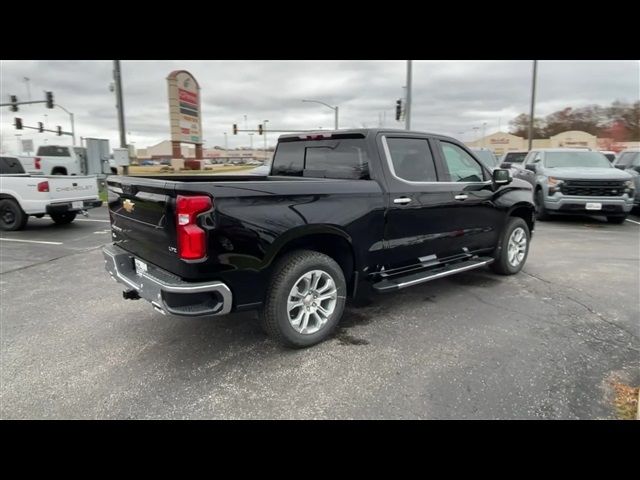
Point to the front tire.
(541, 212)
(11, 215)
(305, 300)
(63, 218)
(513, 247)
(616, 220)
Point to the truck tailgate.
(67, 188)
(142, 218)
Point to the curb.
(638, 406)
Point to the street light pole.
(533, 102)
(407, 107)
(335, 109)
(73, 128)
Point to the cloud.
(448, 97)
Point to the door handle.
(402, 200)
(461, 196)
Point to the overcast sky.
(448, 97)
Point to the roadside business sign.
(184, 107)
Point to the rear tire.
(541, 212)
(12, 217)
(513, 247)
(287, 287)
(616, 220)
(63, 218)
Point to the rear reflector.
(43, 186)
(36, 163)
(191, 238)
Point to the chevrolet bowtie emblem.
(128, 205)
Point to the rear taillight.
(43, 186)
(36, 163)
(191, 238)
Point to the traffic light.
(398, 110)
(18, 123)
(235, 129)
(14, 100)
(40, 127)
(260, 129)
(49, 99)
(59, 130)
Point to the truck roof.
(362, 131)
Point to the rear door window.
(411, 159)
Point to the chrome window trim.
(387, 155)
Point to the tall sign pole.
(184, 112)
(533, 102)
(407, 107)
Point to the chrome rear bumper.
(166, 292)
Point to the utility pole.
(484, 126)
(533, 102)
(407, 107)
(226, 148)
(251, 140)
(117, 77)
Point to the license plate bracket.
(593, 206)
(77, 205)
(139, 266)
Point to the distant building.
(502, 142)
(163, 151)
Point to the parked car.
(629, 161)
(391, 208)
(23, 195)
(570, 181)
(486, 156)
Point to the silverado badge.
(128, 205)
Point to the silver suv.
(574, 181)
(629, 161)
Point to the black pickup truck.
(390, 207)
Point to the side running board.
(396, 283)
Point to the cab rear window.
(331, 158)
(9, 165)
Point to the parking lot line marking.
(29, 241)
(91, 220)
(633, 221)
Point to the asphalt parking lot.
(543, 344)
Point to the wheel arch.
(328, 239)
(526, 211)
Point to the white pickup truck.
(66, 160)
(56, 160)
(23, 195)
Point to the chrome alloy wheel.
(311, 301)
(517, 247)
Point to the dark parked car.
(392, 208)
